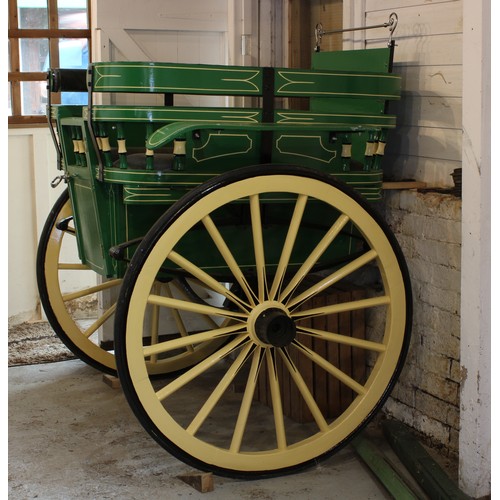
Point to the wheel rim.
(189, 436)
(78, 334)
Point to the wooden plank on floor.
(377, 463)
(201, 481)
(113, 382)
(426, 471)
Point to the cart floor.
(73, 436)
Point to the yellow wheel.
(70, 291)
(266, 229)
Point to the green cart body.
(145, 185)
(343, 133)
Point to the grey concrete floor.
(72, 436)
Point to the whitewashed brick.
(437, 252)
(426, 396)
(435, 430)
(455, 371)
(448, 300)
(433, 362)
(440, 276)
(400, 411)
(432, 406)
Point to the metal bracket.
(51, 76)
(391, 24)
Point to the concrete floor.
(72, 436)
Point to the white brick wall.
(426, 396)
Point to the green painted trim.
(290, 117)
(168, 133)
(169, 115)
(165, 115)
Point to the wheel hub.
(271, 325)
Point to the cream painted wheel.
(232, 413)
(69, 291)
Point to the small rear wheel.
(265, 229)
(69, 290)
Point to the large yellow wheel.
(234, 412)
(77, 302)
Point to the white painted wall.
(426, 145)
(32, 165)
(475, 352)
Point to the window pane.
(72, 14)
(32, 101)
(73, 53)
(33, 14)
(34, 54)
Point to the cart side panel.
(97, 207)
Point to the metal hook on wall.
(391, 24)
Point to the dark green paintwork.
(122, 199)
(242, 80)
(176, 78)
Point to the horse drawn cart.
(218, 236)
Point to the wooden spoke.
(333, 370)
(293, 229)
(200, 368)
(314, 256)
(228, 258)
(191, 340)
(343, 307)
(99, 321)
(304, 391)
(343, 339)
(184, 305)
(246, 401)
(279, 422)
(93, 289)
(217, 393)
(333, 278)
(258, 242)
(206, 279)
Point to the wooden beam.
(50, 33)
(404, 185)
(426, 471)
(201, 481)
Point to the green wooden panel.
(371, 60)
(161, 114)
(357, 84)
(165, 114)
(176, 78)
(228, 80)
